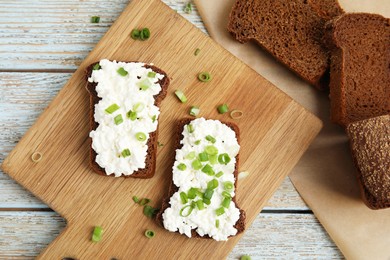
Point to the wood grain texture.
(272, 141)
(261, 241)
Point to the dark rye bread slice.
(240, 224)
(291, 30)
(150, 161)
(370, 147)
(360, 66)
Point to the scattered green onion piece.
(206, 201)
(203, 157)
(222, 109)
(118, 119)
(236, 114)
(140, 136)
(243, 175)
(96, 66)
(135, 34)
(228, 185)
(226, 202)
(151, 74)
(220, 211)
(213, 159)
(150, 211)
(208, 170)
(149, 233)
(189, 211)
(190, 156)
(126, 152)
(144, 85)
(190, 128)
(132, 115)
(180, 95)
(246, 257)
(197, 51)
(95, 19)
(197, 142)
(204, 76)
(111, 109)
(121, 71)
(226, 194)
(208, 194)
(97, 234)
(211, 139)
(160, 144)
(183, 197)
(154, 118)
(192, 193)
(196, 164)
(219, 174)
(194, 111)
(138, 107)
(200, 204)
(212, 184)
(144, 201)
(182, 167)
(211, 150)
(188, 8)
(217, 223)
(199, 194)
(224, 158)
(144, 34)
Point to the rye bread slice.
(150, 161)
(360, 66)
(240, 224)
(290, 30)
(370, 147)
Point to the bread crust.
(150, 161)
(240, 224)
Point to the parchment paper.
(325, 176)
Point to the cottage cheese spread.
(196, 138)
(126, 114)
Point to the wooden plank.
(272, 236)
(272, 141)
(52, 35)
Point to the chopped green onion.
(135, 34)
(144, 201)
(160, 144)
(204, 76)
(206, 201)
(226, 202)
(154, 118)
(149, 233)
(97, 234)
(190, 128)
(151, 74)
(208, 194)
(138, 107)
(111, 109)
(126, 152)
(212, 184)
(224, 158)
(95, 19)
(220, 211)
(222, 109)
(180, 95)
(144, 34)
(194, 111)
(226, 194)
(182, 167)
(132, 115)
(199, 194)
(219, 174)
(144, 85)
(208, 170)
(210, 139)
(150, 211)
(211, 150)
(217, 223)
(96, 66)
(192, 193)
(236, 114)
(190, 156)
(213, 159)
(196, 164)
(118, 119)
(135, 199)
(200, 204)
(121, 71)
(140, 136)
(197, 142)
(189, 210)
(197, 51)
(188, 8)
(246, 257)
(228, 185)
(203, 157)
(183, 197)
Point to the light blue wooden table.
(41, 43)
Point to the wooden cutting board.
(275, 131)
